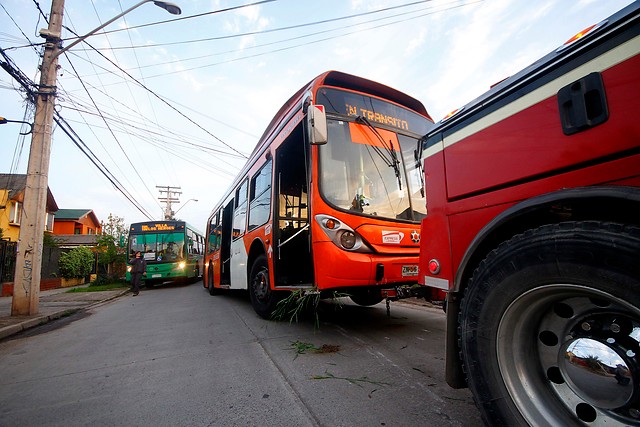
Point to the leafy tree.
(78, 262)
(111, 253)
(49, 240)
(116, 228)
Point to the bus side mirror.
(317, 124)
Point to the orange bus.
(330, 200)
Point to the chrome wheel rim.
(558, 349)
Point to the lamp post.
(185, 204)
(5, 120)
(26, 284)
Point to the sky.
(160, 102)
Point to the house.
(12, 188)
(76, 221)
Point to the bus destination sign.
(160, 226)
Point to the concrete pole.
(26, 284)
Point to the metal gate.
(7, 260)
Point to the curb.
(7, 331)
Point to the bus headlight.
(181, 265)
(342, 235)
(348, 239)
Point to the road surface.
(176, 356)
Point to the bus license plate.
(160, 275)
(409, 270)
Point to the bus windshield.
(158, 247)
(371, 171)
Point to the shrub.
(78, 262)
(104, 279)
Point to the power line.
(75, 138)
(142, 85)
(271, 30)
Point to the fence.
(7, 260)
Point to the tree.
(111, 253)
(78, 262)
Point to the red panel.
(531, 143)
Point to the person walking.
(138, 269)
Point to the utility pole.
(170, 191)
(26, 284)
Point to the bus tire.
(212, 289)
(366, 297)
(263, 299)
(534, 311)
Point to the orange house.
(76, 221)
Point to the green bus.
(173, 251)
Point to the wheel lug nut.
(615, 328)
(586, 326)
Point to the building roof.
(76, 215)
(72, 214)
(16, 183)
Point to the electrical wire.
(78, 142)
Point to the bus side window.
(215, 233)
(260, 197)
(240, 213)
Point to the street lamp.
(172, 8)
(4, 120)
(185, 204)
(26, 288)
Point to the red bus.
(329, 200)
(533, 227)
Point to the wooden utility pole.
(170, 191)
(26, 284)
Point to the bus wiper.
(393, 160)
(417, 154)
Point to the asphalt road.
(175, 356)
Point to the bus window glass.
(240, 214)
(158, 246)
(260, 197)
(357, 172)
(414, 177)
(215, 232)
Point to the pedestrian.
(138, 269)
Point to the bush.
(107, 279)
(78, 262)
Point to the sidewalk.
(53, 304)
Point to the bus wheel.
(263, 298)
(550, 327)
(212, 290)
(366, 297)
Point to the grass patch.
(299, 302)
(303, 347)
(99, 288)
(357, 381)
